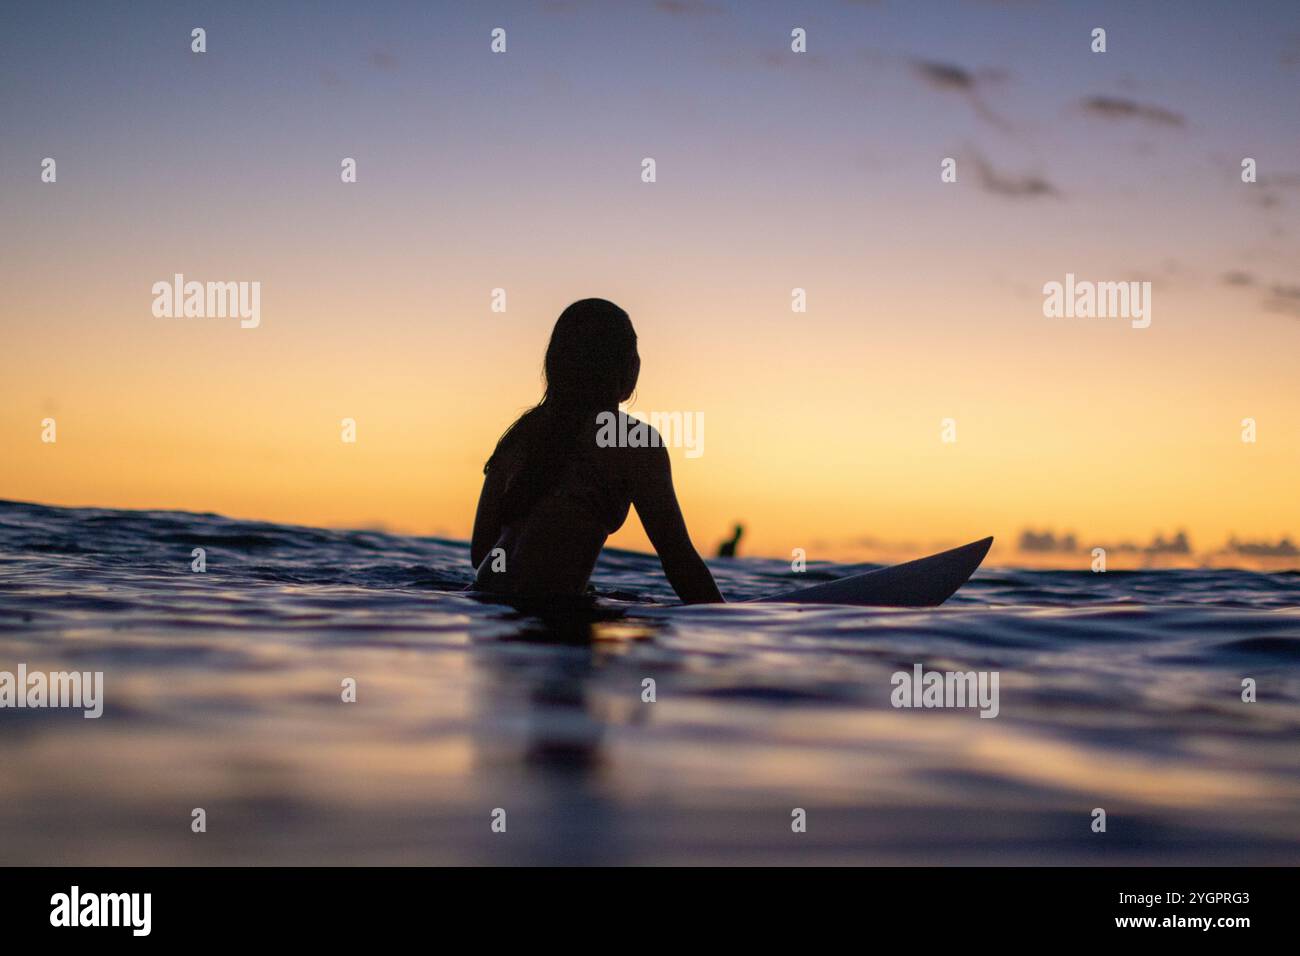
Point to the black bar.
(302, 905)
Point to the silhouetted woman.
(552, 494)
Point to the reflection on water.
(223, 691)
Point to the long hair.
(591, 365)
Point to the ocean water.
(1119, 691)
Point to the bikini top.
(589, 488)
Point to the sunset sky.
(775, 170)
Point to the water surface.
(223, 691)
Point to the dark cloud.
(1047, 542)
(945, 76)
(1119, 108)
(1278, 296)
(688, 8)
(382, 60)
(1015, 186)
(1285, 548)
(1178, 544)
(950, 78)
(1283, 298)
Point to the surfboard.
(925, 582)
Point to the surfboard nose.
(924, 582)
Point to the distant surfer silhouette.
(727, 549)
(555, 488)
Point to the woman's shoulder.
(633, 447)
(507, 451)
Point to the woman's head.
(592, 359)
(591, 366)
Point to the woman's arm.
(487, 519)
(661, 516)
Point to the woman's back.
(553, 548)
